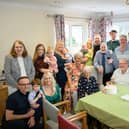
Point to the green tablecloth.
(109, 109)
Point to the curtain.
(103, 26)
(100, 26)
(91, 28)
(59, 27)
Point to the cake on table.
(110, 89)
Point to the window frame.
(77, 22)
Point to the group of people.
(46, 76)
(56, 75)
(107, 55)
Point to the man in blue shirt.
(105, 62)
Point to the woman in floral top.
(73, 71)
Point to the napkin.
(125, 97)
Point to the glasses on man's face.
(122, 63)
(24, 84)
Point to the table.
(108, 109)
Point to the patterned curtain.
(60, 27)
(103, 26)
(91, 28)
(100, 26)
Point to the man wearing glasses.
(121, 75)
(18, 114)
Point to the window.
(121, 24)
(76, 34)
(122, 27)
(114, 27)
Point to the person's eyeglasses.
(24, 84)
(47, 78)
(122, 63)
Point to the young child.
(67, 56)
(35, 97)
(51, 60)
(84, 49)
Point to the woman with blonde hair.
(87, 59)
(50, 88)
(61, 77)
(38, 60)
(18, 64)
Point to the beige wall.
(27, 24)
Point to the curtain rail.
(52, 15)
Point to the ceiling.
(75, 7)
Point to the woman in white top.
(18, 64)
(121, 74)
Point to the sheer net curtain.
(100, 25)
(60, 27)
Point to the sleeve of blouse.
(96, 59)
(32, 73)
(81, 90)
(58, 92)
(7, 69)
(95, 87)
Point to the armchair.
(51, 112)
(64, 123)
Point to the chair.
(65, 124)
(51, 112)
(93, 72)
(3, 97)
(98, 76)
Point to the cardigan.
(12, 69)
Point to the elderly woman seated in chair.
(50, 88)
(87, 84)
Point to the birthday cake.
(110, 89)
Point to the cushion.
(65, 124)
(52, 124)
(50, 110)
